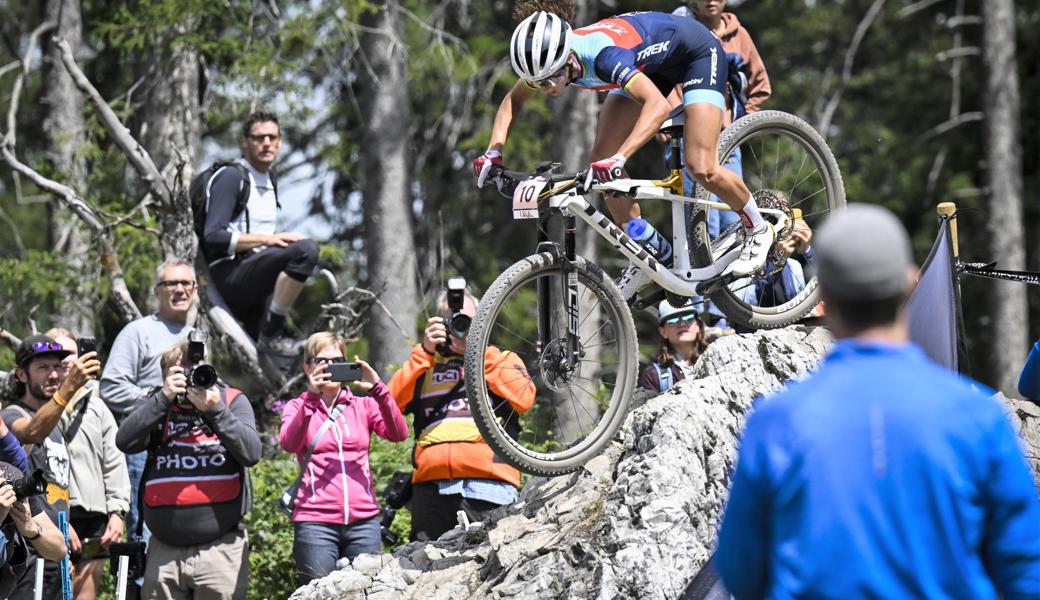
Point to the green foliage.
(271, 566)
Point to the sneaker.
(754, 252)
(279, 344)
(277, 355)
(631, 281)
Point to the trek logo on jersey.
(653, 49)
(714, 65)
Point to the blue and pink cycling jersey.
(670, 49)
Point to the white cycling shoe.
(631, 281)
(754, 252)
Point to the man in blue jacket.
(882, 475)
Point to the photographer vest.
(189, 464)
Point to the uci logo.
(653, 49)
(446, 377)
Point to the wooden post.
(949, 210)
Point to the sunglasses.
(677, 320)
(550, 81)
(317, 360)
(171, 284)
(46, 346)
(263, 137)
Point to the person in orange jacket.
(455, 469)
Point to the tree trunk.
(389, 247)
(575, 115)
(64, 129)
(171, 132)
(1004, 181)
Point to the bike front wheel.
(787, 166)
(582, 385)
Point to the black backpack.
(198, 191)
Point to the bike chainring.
(777, 200)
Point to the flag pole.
(949, 210)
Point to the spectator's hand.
(204, 400)
(369, 377)
(77, 373)
(482, 165)
(802, 235)
(283, 239)
(175, 384)
(7, 499)
(436, 334)
(74, 542)
(113, 531)
(319, 377)
(21, 514)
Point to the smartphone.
(344, 372)
(86, 344)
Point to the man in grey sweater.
(133, 364)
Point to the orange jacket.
(447, 442)
(735, 38)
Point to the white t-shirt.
(262, 206)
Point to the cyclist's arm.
(511, 106)
(655, 110)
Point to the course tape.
(986, 270)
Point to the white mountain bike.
(564, 317)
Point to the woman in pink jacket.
(336, 513)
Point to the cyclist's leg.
(617, 117)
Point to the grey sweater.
(133, 365)
(100, 482)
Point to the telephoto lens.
(24, 485)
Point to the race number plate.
(525, 198)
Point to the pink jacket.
(338, 474)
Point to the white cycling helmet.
(540, 46)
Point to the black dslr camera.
(196, 371)
(457, 323)
(397, 494)
(24, 485)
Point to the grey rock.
(636, 522)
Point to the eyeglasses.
(263, 137)
(684, 319)
(46, 346)
(317, 360)
(171, 284)
(550, 81)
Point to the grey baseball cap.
(862, 253)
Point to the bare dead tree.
(1005, 228)
(823, 124)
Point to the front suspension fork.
(568, 288)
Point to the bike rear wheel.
(576, 412)
(786, 164)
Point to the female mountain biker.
(640, 57)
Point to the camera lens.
(459, 325)
(203, 376)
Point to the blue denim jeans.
(317, 546)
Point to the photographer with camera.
(47, 385)
(200, 436)
(99, 486)
(455, 469)
(26, 532)
(335, 512)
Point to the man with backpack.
(236, 218)
(195, 489)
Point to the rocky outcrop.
(637, 521)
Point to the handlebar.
(506, 180)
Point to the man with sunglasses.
(46, 385)
(133, 363)
(639, 58)
(249, 258)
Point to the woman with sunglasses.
(683, 340)
(640, 58)
(336, 514)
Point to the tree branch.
(135, 153)
(75, 203)
(846, 70)
(945, 126)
